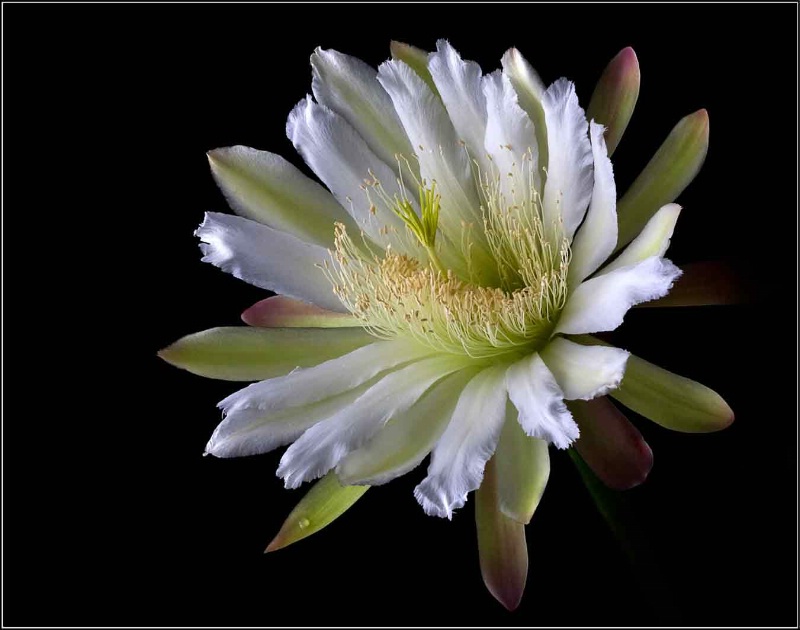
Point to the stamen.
(397, 295)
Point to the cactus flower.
(437, 297)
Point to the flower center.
(401, 294)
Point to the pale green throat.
(412, 294)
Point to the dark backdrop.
(111, 514)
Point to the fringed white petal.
(600, 304)
(510, 138)
(305, 386)
(267, 258)
(460, 455)
(569, 169)
(325, 444)
(253, 431)
(459, 84)
(597, 237)
(344, 162)
(274, 412)
(653, 240)
(584, 372)
(538, 398)
(407, 439)
(350, 87)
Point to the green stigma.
(425, 224)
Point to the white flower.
(437, 300)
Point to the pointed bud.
(668, 173)
(615, 96)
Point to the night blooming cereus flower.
(439, 299)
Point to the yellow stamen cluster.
(397, 295)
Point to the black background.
(112, 516)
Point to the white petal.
(510, 136)
(600, 303)
(459, 84)
(441, 157)
(653, 240)
(343, 161)
(569, 168)
(521, 72)
(597, 237)
(325, 444)
(267, 258)
(530, 91)
(266, 188)
(350, 87)
(251, 432)
(460, 455)
(538, 398)
(274, 412)
(327, 379)
(408, 438)
(584, 372)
